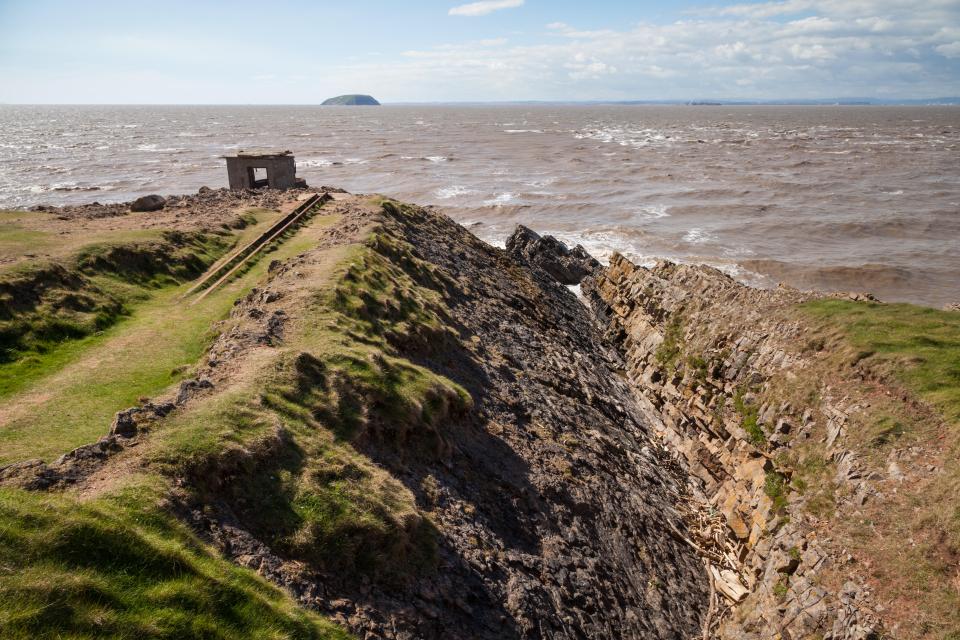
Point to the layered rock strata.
(699, 349)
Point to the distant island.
(353, 99)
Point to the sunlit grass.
(918, 345)
(120, 567)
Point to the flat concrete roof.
(259, 153)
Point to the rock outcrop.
(700, 347)
(148, 203)
(566, 266)
(555, 512)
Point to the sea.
(836, 198)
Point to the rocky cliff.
(419, 435)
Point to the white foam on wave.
(603, 244)
(68, 185)
(437, 159)
(315, 162)
(355, 161)
(445, 193)
(539, 184)
(652, 212)
(697, 235)
(624, 137)
(738, 252)
(155, 148)
(499, 200)
(523, 130)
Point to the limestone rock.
(566, 266)
(148, 203)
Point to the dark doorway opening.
(258, 177)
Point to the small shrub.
(750, 415)
(776, 489)
(669, 350)
(780, 590)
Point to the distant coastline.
(813, 102)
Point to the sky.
(303, 51)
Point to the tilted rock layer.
(554, 513)
(697, 346)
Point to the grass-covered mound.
(918, 345)
(901, 365)
(282, 447)
(123, 568)
(44, 305)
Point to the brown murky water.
(848, 198)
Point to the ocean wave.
(523, 130)
(499, 200)
(625, 137)
(315, 162)
(652, 212)
(68, 186)
(155, 148)
(445, 193)
(698, 235)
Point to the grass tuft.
(121, 568)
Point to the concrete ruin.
(263, 168)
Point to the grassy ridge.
(280, 444)
(911, 540)
(120, 565)
(44, 305)
(286, 434)
(919, 345)
(66, 396)
(121, 568)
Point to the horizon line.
(827, 101)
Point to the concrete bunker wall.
(280, 172)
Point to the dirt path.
(141, 356)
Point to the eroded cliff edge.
(545, 508)
(419, 435)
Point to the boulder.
(566, 266)
(148, 203)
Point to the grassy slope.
(919, 345)
(310, 494)
(119, 565)
(76, 388)
(910, 541)
(20, 240)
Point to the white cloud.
(951, 50)
(790, 49)
(484, 7)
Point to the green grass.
(47, 303)
(57, 400)
(120, 567)
(279, 445)
(919, 345)
(285, 431)
(670, 348)
(776, 488)
(749, 417)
